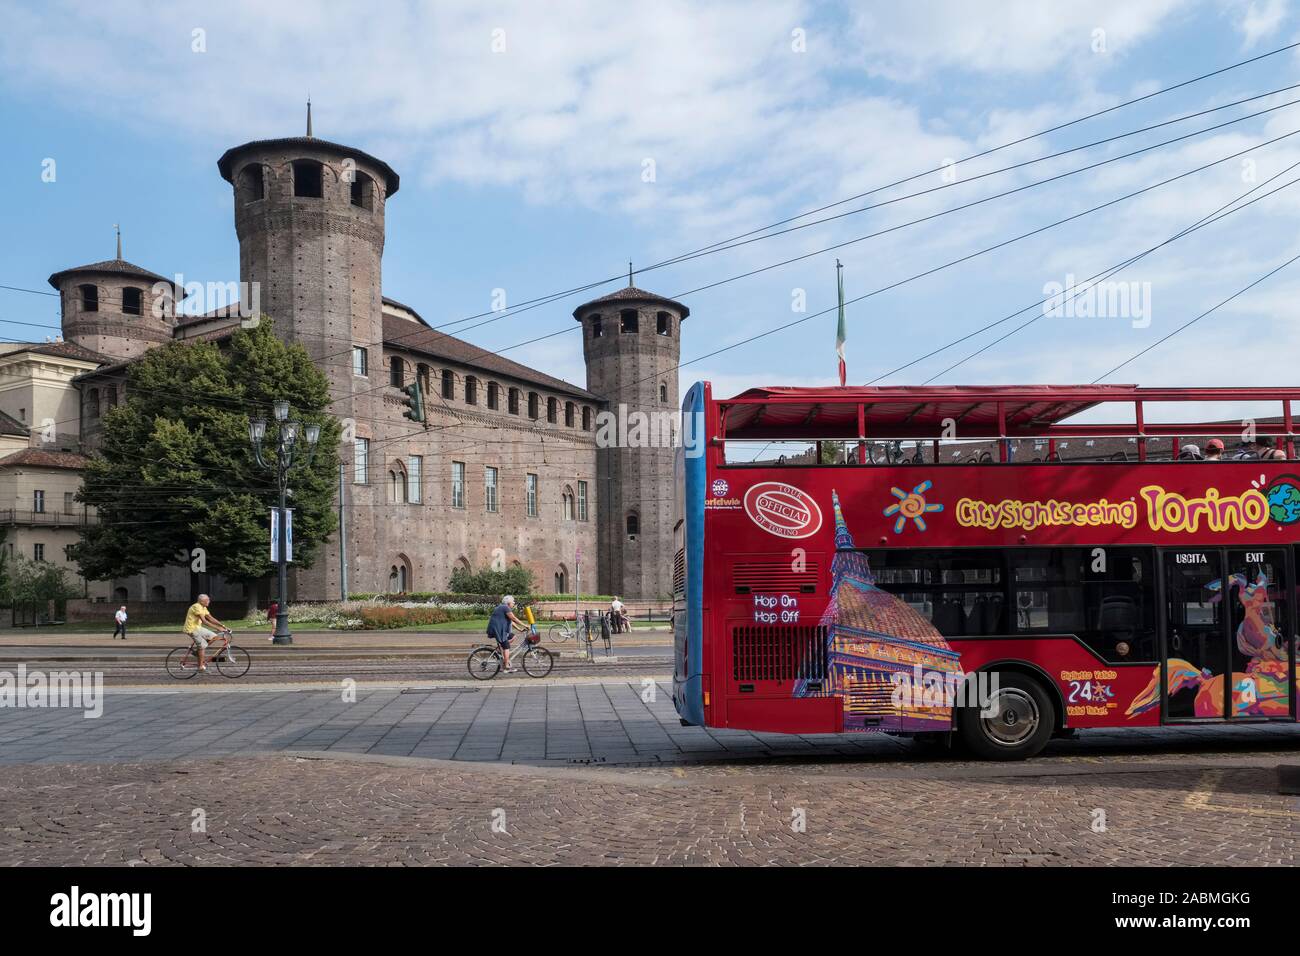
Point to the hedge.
(379, 617)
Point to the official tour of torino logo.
(783, 510)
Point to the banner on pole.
(277, 532)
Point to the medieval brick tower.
(309, 215)
(116, 308)
(631, 343)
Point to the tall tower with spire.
(632, 346)
(309, 215)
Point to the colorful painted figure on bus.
(1259, 691)
(884, 659)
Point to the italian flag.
(839, 329)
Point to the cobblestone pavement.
(602, 772)
(325, 809)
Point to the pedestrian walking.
(120, 618)
(271, 613)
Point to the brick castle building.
(508, 473)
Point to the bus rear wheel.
(1016, 723)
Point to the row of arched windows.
(475, 390)
(629, 323)
(401, 575)
(132, 299)
(308, 183)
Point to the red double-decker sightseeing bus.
(921, 540)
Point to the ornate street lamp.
(287, 453)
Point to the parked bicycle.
(561, 632)
(230, 659)
(486, 661)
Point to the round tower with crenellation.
(309, 215)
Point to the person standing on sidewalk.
(271, 613)
(120, 618)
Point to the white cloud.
(1261, 19)
(904, 40)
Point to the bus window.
(1104, 596)
(960, 593)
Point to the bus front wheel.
(1014, 723)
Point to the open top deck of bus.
(977, 411)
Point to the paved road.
(599, 718)
(600, 771)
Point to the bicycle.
(232, 660)
(561, 632)
(486, 661)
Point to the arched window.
(110, 396)
(119, 595)
(448, 383)
(92, 403)
(157, 593)
(586, 418)
(569, 409)
(633, 525)
(552, 410)
(567, 499)
(462, 564)
(597, 329)
(493, 396)
(397, 487)
(396, 372)
(308, 179)
(561, 580)
(89, 298)
(422, 372)
(395, 576)
(513, 401)
(533, 405)
(471, 390)
(663, 393)
(362, 191)
(252, 183)
(628, 321)
(132, 300)
(663, 324)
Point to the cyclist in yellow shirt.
(195, 620)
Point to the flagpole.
(839, 329)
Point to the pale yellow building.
(40, 469)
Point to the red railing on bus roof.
(977, 412)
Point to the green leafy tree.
(175, 471)
(38, 584)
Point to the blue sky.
(523, 167)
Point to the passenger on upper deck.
(1271, 450)
(1214, 450)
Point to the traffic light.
(414, 402)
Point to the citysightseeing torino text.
(1164, 511)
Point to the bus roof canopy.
(904, 411)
